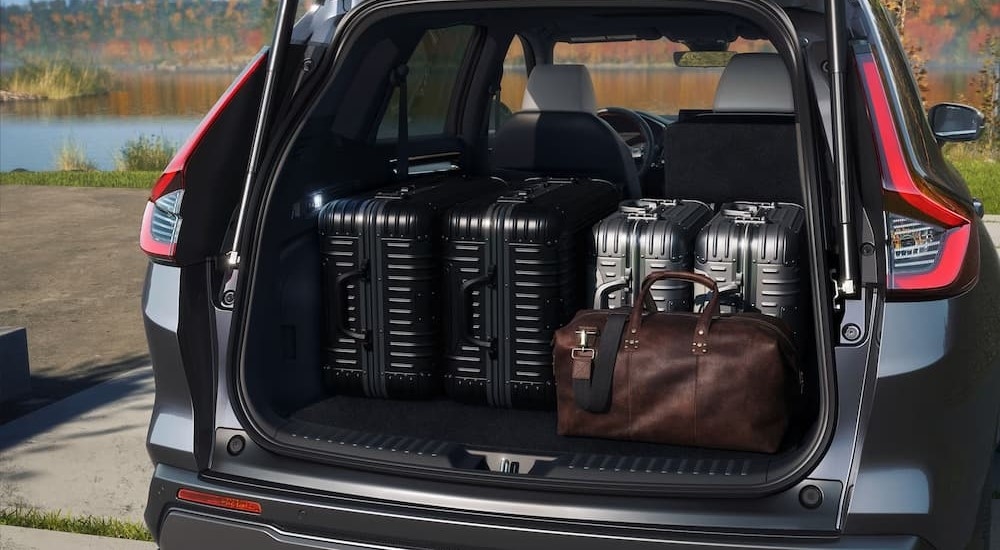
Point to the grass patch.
(58, 80)
(145, 153)
(86, 525)
(131, 180)
(983, 177)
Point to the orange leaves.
(132, 32)
(947, 32)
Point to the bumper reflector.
(219, 501)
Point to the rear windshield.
(641, 74)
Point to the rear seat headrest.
(754, 83)
(559, 88)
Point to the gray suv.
(892, 445)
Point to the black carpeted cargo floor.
(476, 427)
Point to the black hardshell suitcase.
(516, 269)
(381, 284)
(759, 249)
(643, 236)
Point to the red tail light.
(161, 222)
(932, 243)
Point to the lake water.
(151, 104)
(171, 104)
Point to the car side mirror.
(955, 122)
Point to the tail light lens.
(932, 250)
(161, 221)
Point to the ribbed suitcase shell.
(381, 279)
(643, 236)
(515, 270)
(759, 246)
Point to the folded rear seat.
(745, 149)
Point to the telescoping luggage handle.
(593, 369)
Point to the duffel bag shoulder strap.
(593, 394)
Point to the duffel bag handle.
(699, 341)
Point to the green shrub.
(145, 153)
(58, 80)
(71, 157)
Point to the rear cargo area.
(286, 380)
(405, 322)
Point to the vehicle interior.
(668, 104)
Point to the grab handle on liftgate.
(341, 316)
(487, 279)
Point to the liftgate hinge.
(227, 296)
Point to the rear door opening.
(351, 142)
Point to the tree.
(901, 9)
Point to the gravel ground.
(71, 272)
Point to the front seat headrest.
(754, 83)
(559, 88)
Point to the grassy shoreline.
(57, 80)
(129, 180)
(85, 525)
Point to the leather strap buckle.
(583, 362)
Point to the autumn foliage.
(135, 32)
(189, 32)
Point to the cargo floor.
(477, 427)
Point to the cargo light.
(161, 221)
(219, 501)
(930, 235)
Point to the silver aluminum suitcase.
(643, 236)
(756, 250)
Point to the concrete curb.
(84, 455)
(21, 538)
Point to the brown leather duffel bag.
(697, 379)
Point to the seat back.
(746, 148)
(557, 133)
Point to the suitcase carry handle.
(699, 342)
(621, 283)
(603, 291)
(468, 287)
(730, 294)
(341, 286)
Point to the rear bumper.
(190, 530)
(308, 522)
